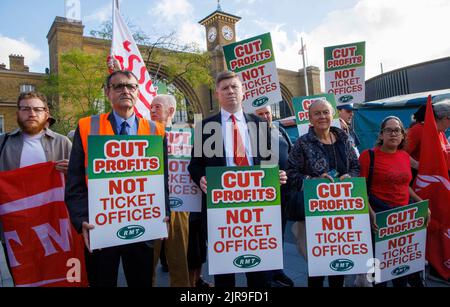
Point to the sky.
(397, 33)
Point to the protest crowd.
(129, 188)
(325, 152)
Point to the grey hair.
(168, 101)
(322, 101)
(442, 109)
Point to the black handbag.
(295, 206)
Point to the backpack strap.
(371, 168)
(95, 125)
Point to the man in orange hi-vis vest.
(122, 90)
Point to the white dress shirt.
(227, 132)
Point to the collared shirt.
(227, 132)
(132, 123)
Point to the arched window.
(281, 110)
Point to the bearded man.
(33, 143)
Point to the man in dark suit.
(122, 90)
(230, 138)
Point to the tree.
(77, 91)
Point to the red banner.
(44, 250)
(433, 183)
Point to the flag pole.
(115, 4)
(304, 68)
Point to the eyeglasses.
(37, 110)
(120, 87)
(390, 131)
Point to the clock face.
(227, 33)
(212, 34)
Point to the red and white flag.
(125, 50)
(433, 183)
(44, 250)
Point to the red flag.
(433, 183)
(43, 248)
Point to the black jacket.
(199, 163)
(309, 158)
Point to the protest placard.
(345, 72)
(301, 107)
(400, 241)
(244, 220)
(254, 61)
(184, 194)
(126, 190)
(337, 227)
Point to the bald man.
(175, 247)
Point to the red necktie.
(240, 156)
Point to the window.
(185, 113)
(281, 110)
(2, 124)
(276, 111)
(25, 88)
(100, 106)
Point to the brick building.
(66, 35)
(13, 81)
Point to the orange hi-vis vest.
(100, 125)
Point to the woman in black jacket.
(325, 152)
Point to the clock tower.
(220, 31)
(220, 28)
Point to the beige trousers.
(176, 247)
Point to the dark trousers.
(256, 280)
(401, 282)
(137, 260)
(333, 281)
(414, 280)
(6, 257)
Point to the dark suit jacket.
(198, 165)
(76, 194)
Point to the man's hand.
(326, 176)
(86, 228)
(113, 64)
(62, 166)
(346, 176)
(204, 185)
(283, 177)
(414, 164)
(167, 221)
